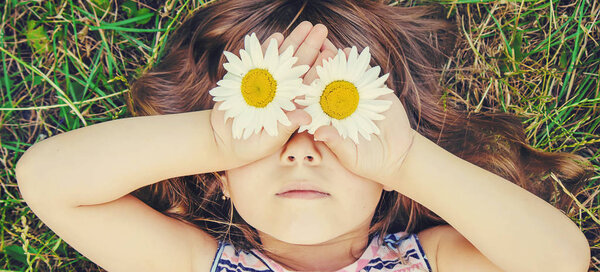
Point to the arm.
(513, 228)
(78, 184)
(102, 162)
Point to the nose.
(300, 149)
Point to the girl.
(171, 190)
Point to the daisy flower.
(344, 95)
(256, 88)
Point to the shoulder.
(449, 250)
(430, 238)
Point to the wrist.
(397, 171)
(412, 164)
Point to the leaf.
(37, 37)
(77, 90)
(563, 61)
(16, 253)
(516, 43)
(9, 82)
(130, 8)
(100, 6)
(141, 12)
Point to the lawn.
(68, 64)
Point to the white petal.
(341, 130)
(366, 127)
(363, 60)
(342, 66)
(246, 59)
(352, 57)
(259, 119)
(234, 112)
(337, 67)
(272, 55)
(367, 77)
(248, 123)
(300, 70)
(228, 83)
(302, 102)
(256, 52)
(287, 54)
(234, 77)
(375, 105)
(237, 127)
(352, 128)
(313, 110)
(270, 124)
(286, 61)
(282, 118)
(370, 114)
(233, 69)
(289, 84)
(377, 83)
(316, 124)
(283, 68)
(233, 60)
(322, 73)
(247, 41)
(374, 93)
(286, 105)
(223, 91)
(229, 103)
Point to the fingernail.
(305, 121)
(320, 139)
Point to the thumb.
(331, 137)
(297, 118)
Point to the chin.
(302, 233)
(305, 238)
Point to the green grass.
(65, 65)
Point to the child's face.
(349, 206)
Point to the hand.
(307, 41)
(380, 158)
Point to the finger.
(278, 36)
(347, 51)
(297, 36)
(219, 115)
(297, 118)
(310, 47)
(328, 45)
(342, 148)
(311, 75)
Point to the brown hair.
(407, 42)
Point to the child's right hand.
(307, 41)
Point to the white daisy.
(344, 95)
(257, 89)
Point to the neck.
(327, 256)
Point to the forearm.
(105, 161)
(512, 227)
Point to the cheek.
(362, 197)
(247, 194)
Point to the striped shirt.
(400, 252)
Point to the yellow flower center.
(339, 99)
(258, 87)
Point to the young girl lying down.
(304, 136)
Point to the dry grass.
(67, 64)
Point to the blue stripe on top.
(228, 260)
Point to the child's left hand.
(380, 158)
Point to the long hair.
(407, 42)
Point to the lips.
(301, 187)
(303, 194)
